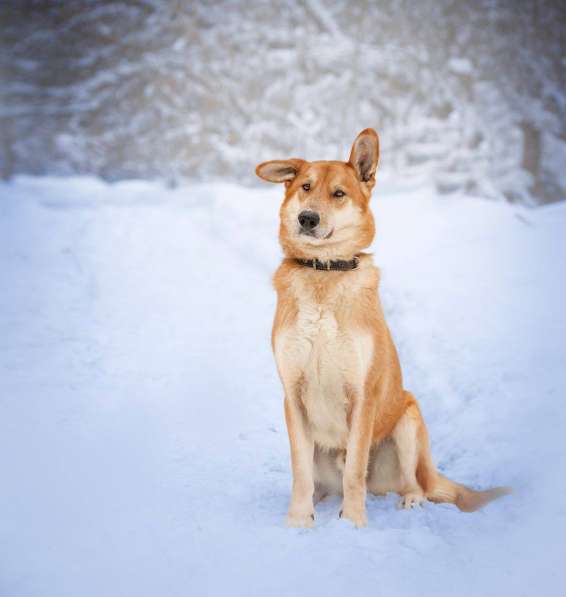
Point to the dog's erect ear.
(280, 170)
(365, 154)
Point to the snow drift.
(142, 443)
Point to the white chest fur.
(324, 352)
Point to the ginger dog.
(352, 427)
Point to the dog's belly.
(331, 362)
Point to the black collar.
(339, 265)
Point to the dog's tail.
(444, 490)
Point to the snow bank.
(142, 444)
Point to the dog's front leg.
(301, 509)
(357, 456)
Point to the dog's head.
(325, 214)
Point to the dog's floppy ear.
(365, 155)
(280, 170)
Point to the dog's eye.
(307, 186)
(339, 194)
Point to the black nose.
(309, 220)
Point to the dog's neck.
(341, 265)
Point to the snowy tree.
(468, 94)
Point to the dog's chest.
(329, 357)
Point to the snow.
(142, 443)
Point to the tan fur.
(351, 425)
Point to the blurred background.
(469, 95)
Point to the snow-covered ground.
(142, 443)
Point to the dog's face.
(325, 214)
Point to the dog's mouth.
(313, 234)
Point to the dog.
(352, 427)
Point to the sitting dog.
(352, 427)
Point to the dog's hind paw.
(410, 501)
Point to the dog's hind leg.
(406, 438)
(419, 478)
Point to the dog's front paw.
(410, 501)
(357, 516)
(300, 521)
